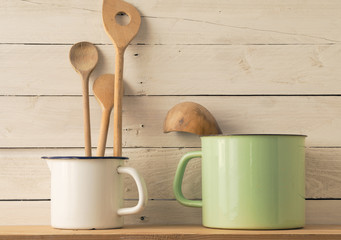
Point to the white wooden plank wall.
(259, 66)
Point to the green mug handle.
(179, 174)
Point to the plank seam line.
(151, 199)
(185, 95)
(138, 147)
(56, 148)
(244, 28)
(174, 44)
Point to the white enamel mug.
(87, 192)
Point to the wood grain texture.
(177, 22)
(24, 175)
(157, 212)
(51, 121)
(180, 70)
(323, 172)
(186, 50)
(169, 232)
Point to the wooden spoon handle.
(118, 103)
(86, 115)
(103, 132)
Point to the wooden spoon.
(191, 117)
(104, 93)
(84, 57)
(121, 36)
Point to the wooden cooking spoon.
(84, 57)
(191, 117)
(121, 36)
(104, 93)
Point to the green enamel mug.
(249, 181)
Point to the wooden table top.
(169, 232)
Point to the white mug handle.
(141, 188)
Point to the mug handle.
(179, 174)
(141, 188)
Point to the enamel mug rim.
(81, 158)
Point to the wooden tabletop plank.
(169, 233)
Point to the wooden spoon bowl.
(83, 57)
(191, 117)
(121, 35)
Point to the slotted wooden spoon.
(84, 57)
(121, 36)
(104, 93)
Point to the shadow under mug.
(249, 181)
(87, 192)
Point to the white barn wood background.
(259, 66)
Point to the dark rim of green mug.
(265, 134)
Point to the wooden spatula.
(104, 93)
